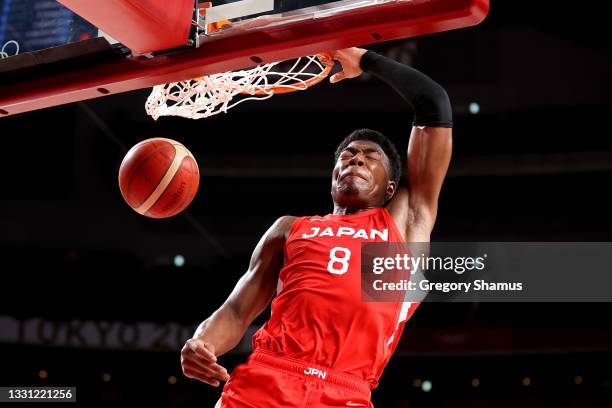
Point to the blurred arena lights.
(474, 108)
(179, 260)
(426, 386)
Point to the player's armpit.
(428, 158)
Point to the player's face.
(361, 176)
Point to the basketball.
(159, 178)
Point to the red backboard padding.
(388, 21)
(141, 25)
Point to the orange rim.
(276, 90)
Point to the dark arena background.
(98, 297)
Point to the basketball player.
(323, 346)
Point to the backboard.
(162, 41)
(279, 11)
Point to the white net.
(9, 49)
(209, 95)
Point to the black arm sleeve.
(428, 99)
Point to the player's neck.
(339, 210)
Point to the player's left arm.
(414, 206)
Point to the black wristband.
(429, 100)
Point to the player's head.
(367, 170)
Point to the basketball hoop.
(209, 95)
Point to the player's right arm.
(224, 329)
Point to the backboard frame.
(387, 21)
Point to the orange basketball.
(158, 178)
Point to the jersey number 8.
(341, 261)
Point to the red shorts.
(269, 381)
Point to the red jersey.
(318, 315)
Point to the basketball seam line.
(137, 169)
(187, 194)
(179, 156)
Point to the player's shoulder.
(282, 226)
(285, 221)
